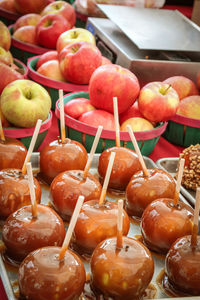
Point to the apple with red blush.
(158, 101)
(51, 69)
(5, 37)
(106, 61)
(24, 7)
(76, 107)
(110, 81)
(5, 56)
(131, 112)
(78, 61)
(29, 19)
(137, 124)
(7, 75)
(49, 55)
(190, 107)
(49, 28)
(98, 117)
(26, 34)
(8, 5)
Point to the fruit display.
(190, 107)
(5, 38)
(29, 6)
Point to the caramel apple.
(14, 191)
(61, 156)
(12, 153)
(143, 189)
(163, 222)
(125, 165)
(121, 273)
(96, 223)
(68, 186)
(42, 275)
(22, 233)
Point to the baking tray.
(9, 274)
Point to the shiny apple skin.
(68, 186)
(162, 223)
(57, 157)
(96, 223)
(43, 276)
(14, 191)
(126, 163)
(22, 233)
(183, 266)
(121, 273)
(142, 190)
(12, 153)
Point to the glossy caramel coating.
(142, 190)
(121, 273)
(96, 223)
(163, 223)
(43, 276)
(22, 233)
(14, 191)
(68, 186)
(126, 164)
(183, 266)
(12, 153)
(57, 157)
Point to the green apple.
(23, 102)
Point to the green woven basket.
(85, 134)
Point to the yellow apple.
(137, 124)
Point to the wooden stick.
(116, 117)
(93, 149)
(62, 118)
(71, 227)
(32, 190)
(32, 144)
(137, 150)
(196, 219)
(120, 224)
(2, 136)
(179, 179)
(107, 177)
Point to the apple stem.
(116, 117)
(196, 219)
(165, 91)
(120, 224)
(32, 190)
(179, 179)
(1, 131)
(62, 118)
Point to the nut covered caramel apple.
(42, 275)
(142, 190)
(121, 273)
(22, 233)
(126, 163)
(14, 191)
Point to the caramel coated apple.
(126, 164)
(22, 233)
(12, 153)
(43, 276)
(121, 273)
(163, 222)
(14, 191)
(142, 190)
(57, 157)
(96, 223)
(68, 186)
(183, 266)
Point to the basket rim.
(108, 134)
(14, 132)
(9, 15)
(186, 121)
(23, 65)
(65, 86)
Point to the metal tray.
(9, 277)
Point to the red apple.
(132, 112)
(98, 117)
(158, 101)
(26, 34)
(62, 8)
(105, 61)
(50, 55)
(110, 81)
(183, 86)
(30, 6)
(49, 29)
(198, 80)
(8, 5)
(29, 19)
(137, 124)
(74, 35)
(51, 70)
(76, 107)
(78, 61)
(7, 75)
(5, 37)
(5, 56)
(190, 107)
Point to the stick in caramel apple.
(137, 150)
(116, 117)
(32, 144)
(179, 179)
(120, 224)
(70, 229)
(93, 149)
(32, 190)
(196, 219)
(1, 131)
(62, 118)
(107, 177)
